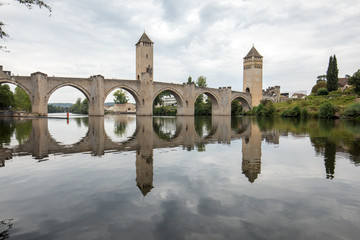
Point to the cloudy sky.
(192, 38)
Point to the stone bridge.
(40, 87)
(145, 138)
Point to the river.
(128, 177)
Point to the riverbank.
(329, 106)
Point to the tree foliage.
(236, 108)
(355, 81)
(352, 111)
(159, 98)
(57, 109)
(322, 91)
(317, 86)
(189, 81)
(22, 100)
(6, 97)
(201, 81)
(332, 74)
(80, 107)
(120, 97)
(327, 110)
(321, 78)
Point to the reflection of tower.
(251, 152)
(329, 154)
(144, 170)
(253, 75)
(144, 58)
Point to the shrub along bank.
(329, 106)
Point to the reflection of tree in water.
(202, 125)
(5, 227)
(6, 130)
(23, 130)
(354, 150)
(200, 147)
(81, 121)
(120, 128)
(164, 128)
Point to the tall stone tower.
(253, 75)
(144, 59)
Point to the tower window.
(147, 55)
(247, 90)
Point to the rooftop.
(253, 53)
(144, 38)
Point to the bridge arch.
(132, 91)
(178, 96)
(68, 84)
(10, 81)
(243, 100)
(214, 99)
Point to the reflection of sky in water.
(67, 132)
(196, 195)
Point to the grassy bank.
(329, 106)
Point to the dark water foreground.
(122, 177)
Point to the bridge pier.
(223, 105)
(96, 103)
(38, 89)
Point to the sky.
(192, 38)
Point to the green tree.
(80, 107)
(332, 74)
(201, 81)
(6, 97)
(317, 86)
(120, 97)
(322, 91)
(189, 81)
(203, 106)
(84, 109)
(236, 107)
(321, 78)
(327, 110)
(159, 98)
(22, 100)
(355, 81)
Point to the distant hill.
(64, 105)
(109, 104)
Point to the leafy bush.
(327, 110)
(322, 91)
(294, 112)
(164, 111)
(320, 84)
(352, 111)
(304, 113)
(267, 110)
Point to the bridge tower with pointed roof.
(144, 59)
(253, 75)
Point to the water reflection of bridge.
(147, 137)
(41, 143)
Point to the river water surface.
(128, 177)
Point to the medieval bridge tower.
(144, 58)
(253, 75)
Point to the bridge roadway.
(41, 143)
(96, 88)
